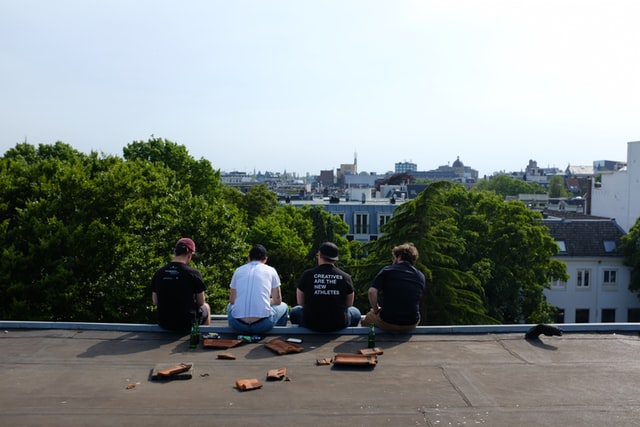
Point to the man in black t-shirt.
(325, 295)
(178, 291)
(402, 287)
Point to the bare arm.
(200, 299)
(350, 299)
(300, 297)
(232, 296)
(154, 298)
(372, 294)
(276, 296)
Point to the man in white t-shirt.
(255, 301)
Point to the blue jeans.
(278, 318)
(296, 315)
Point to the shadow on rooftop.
(537, 342)
(134, 342)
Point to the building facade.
(363, 214)
(456, 172)
(598, 286)
(403, 167)
(617, 194)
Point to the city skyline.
(506, 170)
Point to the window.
(582, 278)
(608, 315)
(609, 246)
(633, 315)
(609, 277)
(341, 215)
(582, 315)
(559, 316)
(382, 220)
(562, 245)
(361, 223)
(558, 285)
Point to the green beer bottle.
(372, 337)
(194, 339)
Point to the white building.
(618, 194)
(598, 286)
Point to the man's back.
(253, 283)
(402, 286)
(175, 285)
(325, 289)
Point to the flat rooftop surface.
(66, 377)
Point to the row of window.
(607, 315)
(583, 279)
(361, 222)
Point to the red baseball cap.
(187, 243)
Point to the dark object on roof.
(548, 330)
(396, 179)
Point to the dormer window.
(609, 246)
(561, 244)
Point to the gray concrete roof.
(79, 376)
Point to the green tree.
(557, 187)
(486, 260)
(198, 174)
(453, 296)
(258, 202)
(82, 234)
(327, 227)
(50, 238)
(214, 215)
(510, 251)
(630, 248)
(287, 235)
(504, 185)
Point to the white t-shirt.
(253, 283)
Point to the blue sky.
(303, 85)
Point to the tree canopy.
(557, 187)
(510, 251)
(630, 248)
(505, 185)
(82, 234)
(485, 260)
(453, 296)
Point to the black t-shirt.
(401, 286)
(325, 290)
(176, 285)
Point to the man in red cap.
(178, 291)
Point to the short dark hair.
(328, 251)
(258, 253)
